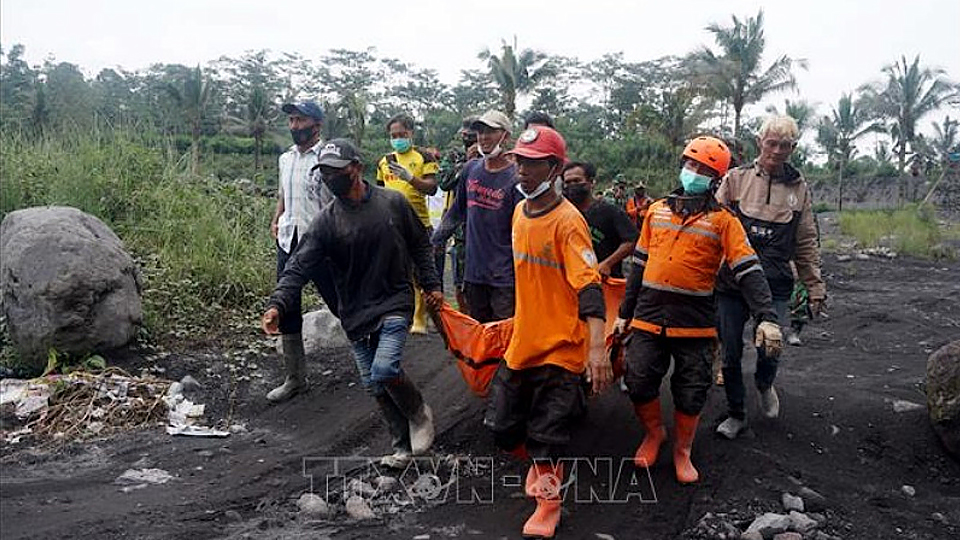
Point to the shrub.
(204, 246)
(912, 230)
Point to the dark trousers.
(732, 316)
(536, 407)
(488, 303)
(648, 359)
(292, 323)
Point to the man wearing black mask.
(612, 233)
(297, 206)
(376, 294)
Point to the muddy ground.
(839, 435)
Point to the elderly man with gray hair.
(772, 200)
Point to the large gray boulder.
(321, 331)
(66, 282)
(943, 395)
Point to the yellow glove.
(770, 338)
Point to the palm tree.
(910, 93)
(838, 133)
(259, 114)
(736, 75)
(946, 140)
(191, 98)
(515, 74)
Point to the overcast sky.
(846, 42)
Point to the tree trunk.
(840, 196)
(257, 145)
(195, 149)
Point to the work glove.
(619, 326)
(770, 338)
(400, 171)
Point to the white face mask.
(556, 184)
(497, 150)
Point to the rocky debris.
(386, 484)
(788, 536)
(908, 490)
(791, 502)
(769, 524)
(812, 501)
(321, 330)
(233, 515)
(943, 395)
(133, 479)
(902, 406)
(717, 525)
(67, 283)
(360, 488)
(801, 523)
(80, 405)
(313, 505)
(357, 508)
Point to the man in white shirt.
(297, 205)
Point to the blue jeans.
(732, 314)
(378, 355)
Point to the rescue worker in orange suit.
(669, 302)
(558, 336)
(638, 203)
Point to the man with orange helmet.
(558, 333)
(669, 301)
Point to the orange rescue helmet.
(709, 151)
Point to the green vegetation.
(203, 245)
(912, 230)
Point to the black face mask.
(302, 136)
(576, 193)
(339, 184)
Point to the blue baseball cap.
(306, 108)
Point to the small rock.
(602, 536)
(801, 522)
(751, 535)
(188, 383)
(902, 406)
(205, 453)
(357, 508)
(908, 490)
(422, 537)
(862, 257)
(361, 488)
(843, 258)
(812, 500)
(788, 536)
(232, 515)
(791, 502)
(311, 504)
(818, 517)
(939, 518)
(386, 484)
(770, 524)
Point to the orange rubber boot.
(686, 430)
(654, 433)
(543, 523)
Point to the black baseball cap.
(338, 153)
(306, 108)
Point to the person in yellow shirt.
(558, 336)
(412, 173)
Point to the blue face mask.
(401, 145)
(693, 183)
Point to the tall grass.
(203, 245)
(912, 230)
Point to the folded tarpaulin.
(479, 347)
